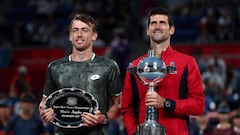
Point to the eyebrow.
(161, 21)
(85, 27)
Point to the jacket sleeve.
(129, 115)
(194, 103)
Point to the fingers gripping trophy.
(152, 70)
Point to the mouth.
(79, 41)
(157, 32)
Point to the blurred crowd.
(222, 91)
(44, 23)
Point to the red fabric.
(174, 121)
(1, 133)
(228, 131)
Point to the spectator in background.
(30, 36)
(207, 24)
(21, 82)
(193, 126)
(57, 40)
(117, 127)
(201, 60)
(204, 36)
(46, 30)
(205, 127)
(233, 87)
(225, 25)
(210, 105)
(219, 63)
(236, 123)
(45, 8)
(93, 6)
(27, 122)
(120, 50)
(5, 51)
(232, 78)
(214, 83)
(224, 127)
(5, 114)
(16, 32)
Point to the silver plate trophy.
(68, 105)
(152, 70)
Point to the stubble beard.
(82, 48)
(158, 40)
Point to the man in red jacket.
(177, 96)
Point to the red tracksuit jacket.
(184, 88)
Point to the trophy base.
(150, 128)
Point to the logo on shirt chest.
(95, 77)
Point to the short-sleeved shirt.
(98, 76)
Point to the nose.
(79, 33)
(157, 26)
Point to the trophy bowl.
(151, 69)
(68, 105)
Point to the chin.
(80, 49)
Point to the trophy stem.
(150, 126)
(151, 111)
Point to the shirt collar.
(92, 58)
(169, 52)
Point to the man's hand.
(92, 119)
(47, 115)
(154, 99)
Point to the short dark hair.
(90, 21)
(163, 11)
(4, 103)
(27, 98)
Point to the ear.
(94, 36)
(70, 37)
(147, 31)
(172, 30)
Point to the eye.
(85, 29)
(163, 22)
(153, 23)
(74, 30)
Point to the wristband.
(106, 118)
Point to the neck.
(223, 125)
(81, 56)
(158, 48)
(25, 116)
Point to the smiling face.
(81, 35)
(159, 29)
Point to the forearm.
(190, 106)
(114, 110)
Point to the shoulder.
(105, 61)
(183, 56)
(58, 62)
